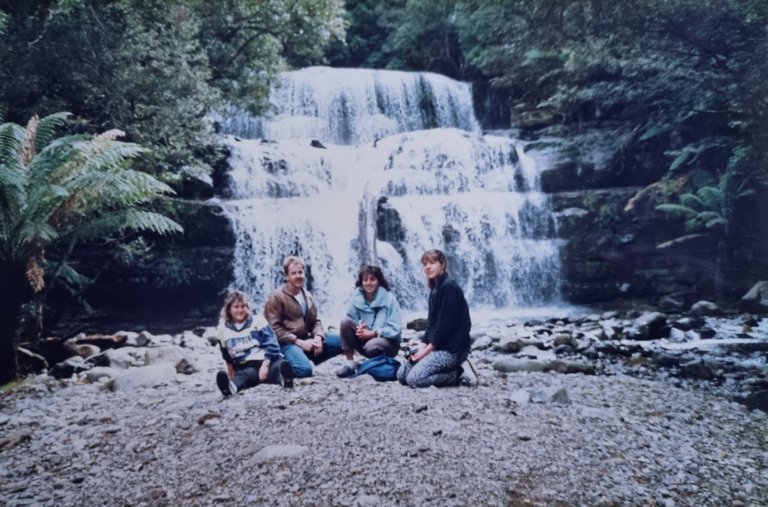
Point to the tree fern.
(69, 189)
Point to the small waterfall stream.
(403, 167)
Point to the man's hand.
(317, 345)
(305, 345)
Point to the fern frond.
(47, 128)
(711, 197)
(718, 220)
(100, 154)
(677, 210)
(679, 240)
(108, 223)
(692, 201)
(31, 235)
(117, 189)
(11, 139)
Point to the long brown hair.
(434, 255)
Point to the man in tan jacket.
(292, 312)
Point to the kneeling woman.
(251, 352)
(445, 344)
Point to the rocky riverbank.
(556, 420)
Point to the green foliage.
(74, 188)
(156, 70)
(54, 193)
(710, 210)
(426, 39)
(369, 24)
(173, 272)
(118, 64)
(247, 41)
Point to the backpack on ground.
(382, 368)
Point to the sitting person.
(446, 342)
(251, 352)
(292, 312)
(373, 322)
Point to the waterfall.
(413, 188)
(350, 106)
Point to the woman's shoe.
(347, 370)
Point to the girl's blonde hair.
(236, 296)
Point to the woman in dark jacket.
(445, 344)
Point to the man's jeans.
(302, 362)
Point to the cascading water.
(449, 187)
(349, 106)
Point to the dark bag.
(382, 368)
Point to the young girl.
(252, 354)
(446, 342)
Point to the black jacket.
(448, 321)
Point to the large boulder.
(756, 299)
(145, 376)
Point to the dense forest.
(140, 81)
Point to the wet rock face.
(599, 190)
(177, 282)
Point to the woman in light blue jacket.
(374, 320)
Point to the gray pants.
(368, 348)
(440, 368)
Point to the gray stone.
(512, 364)
(144, 338)
(756, 299)
(164, 353)
(482, 343)
(274, 452)
(649, 326)
(533, 352)
(520, 396)
(69, 367)
(550, 395)
(185, 367)
(145, 376)
(702, 308)
(30, 362)
(99, 374)
(124, 358)
(697, 369)
(559, 366)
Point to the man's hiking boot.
(286, 372)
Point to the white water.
(349, 106)
(473, 196)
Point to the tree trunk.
(14, 284)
